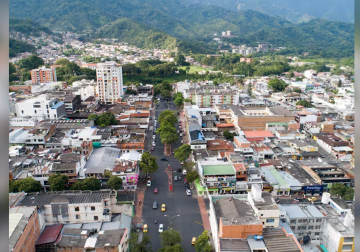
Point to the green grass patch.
(145, 79)
(194, 69)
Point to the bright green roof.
(278, 177)
(225, 169)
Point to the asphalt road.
(189, 223)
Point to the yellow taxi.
(193, 240)
(145, 228)
(163, 208)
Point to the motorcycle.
(155, 221)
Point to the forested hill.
(192, 23)
(295, 11)
(27, 27)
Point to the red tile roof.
(139, 114)
(258, 133)
(239, 167)
(256, 139)
(224, 125)
(50, 234)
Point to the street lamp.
(172, 218)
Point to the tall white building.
(109, 82)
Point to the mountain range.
(292, 10)
(148, 23)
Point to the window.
(346, 247)
(318, 220)
(96, 217)
(77, 209)
(293, 221)
(270, 220)
(35, 111)
(78, 216)
(310, 227)
(22, 111)
(47, 106)
(92, 208)
(348, 239)
(317, 233)
(317, 227)
(106, 203)
(292, 227)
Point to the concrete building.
(41, 108)
(72, 207)
(24, 229)
(43, 75)
(109, 82)
(304, 220)
(84, 88)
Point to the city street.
(189, 223)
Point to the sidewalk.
(204, 214)
(140, 193)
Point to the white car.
(154, 137)
(148, 183)
(161, 228)
(184, 172)
(180, 134)
(153, 144)
(188, 192)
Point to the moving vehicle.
(155, 190)
(193, 240)
(179, 169)
(148, 183)
(152, 148)
(176, 178)
(145, 228)
(188, 192)
(155, 205)
(163, 207)
(161, 228)
(180, 134)
(164, 159)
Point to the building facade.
(43, 75)
(109, 86)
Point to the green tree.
(12, 68)
(170, 238)
(148, 163)
(31, 62)
(107, 174)
(135, 245)
(57, 182)
(107, 118)
(183, 152)
(187, 69)
(27, 185)
(192, 176)
(179, 59)
(167, 116)
(92, 184)
(166, 94)
(178, 99)
(94, 117)
(202, 243)
(175, 248)
(345, 192)
(277, 85)
(304, 103)
(339, 83)
(188, 166)
(228, 135)
(62, 62)
(166, 127)
(168, 137)
(114, 183)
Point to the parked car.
(180, 134)
(148, 183)
(152, 148)
(153, 144)
(185, 181)
(155, 205)
(193, 240)
(188, 192)
(179, 169)
(184, 172)
(164, 159)
(161, 228)
(176, 178)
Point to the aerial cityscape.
(179, 126)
